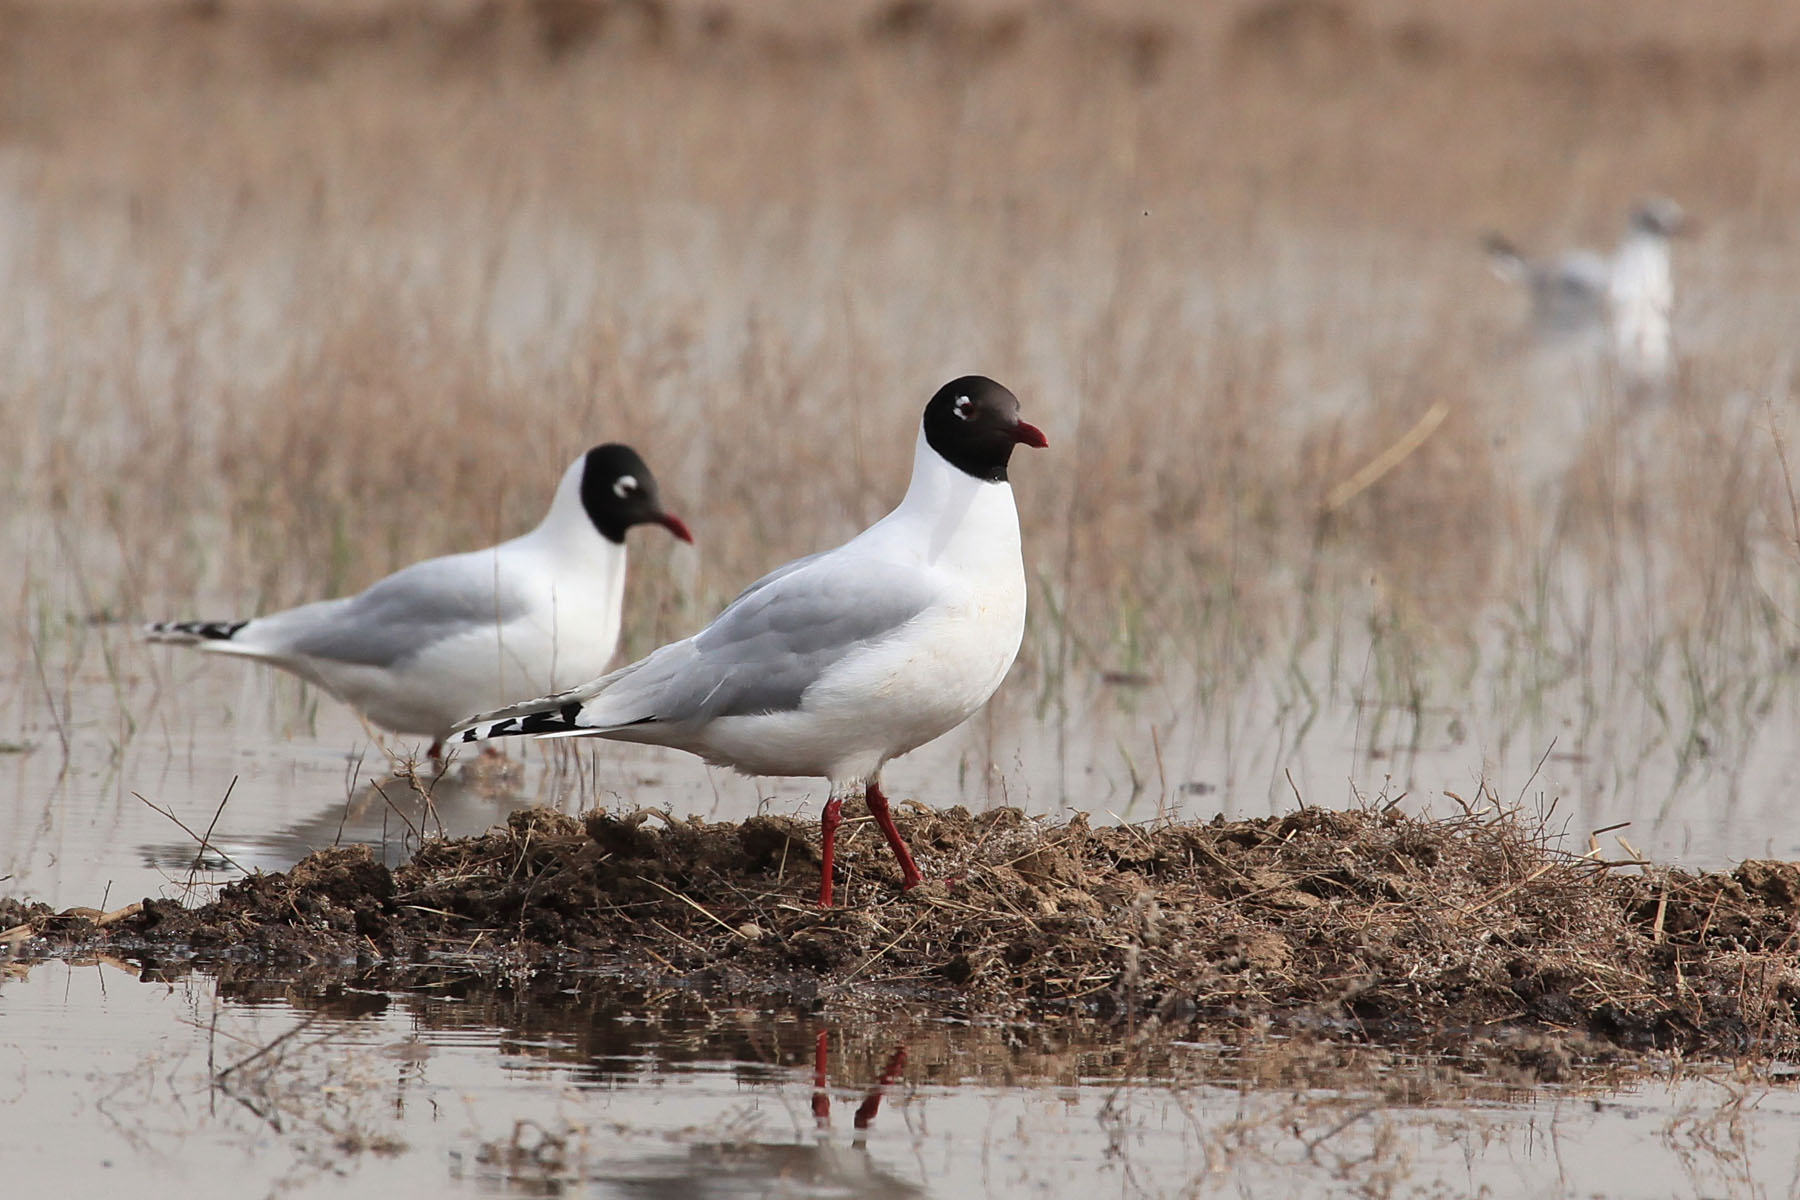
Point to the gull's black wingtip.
(193, 631)
(560, 720)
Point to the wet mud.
(1370, 926)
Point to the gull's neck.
(1646, 237)
(959, 515)
(568, 530)
(1643, 248)
(1641, 268)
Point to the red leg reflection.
(821, 1099)
(871, 1104)
(890, 1075)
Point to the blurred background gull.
(1626, 298)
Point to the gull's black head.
(1661, 216)
(618, 491)
(973, 423)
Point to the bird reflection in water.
(871, 1103)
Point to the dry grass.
(298, 293)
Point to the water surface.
(201, 1086)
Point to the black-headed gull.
(536, 612)
(837, 662)
(1630, 294)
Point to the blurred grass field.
(298, 292)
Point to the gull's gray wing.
(781, 572)
(1569, 293)
(400, 616)
(768, 647)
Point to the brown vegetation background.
(299, 291)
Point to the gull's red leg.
(828, 827)
(821, 1099)
(436, 753)
(878, 808)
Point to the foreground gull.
(539, 611)
(837, 662)
(1630, 294)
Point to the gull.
(839, 661)
(1629, 294)
(537, 612)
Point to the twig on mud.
(750, 899)
(349, 795)
(1544, 758)
(1035, 849)
(1130, 828)
(182, 825)
(690, 943)
(206, 839)
(1662, 910)
(1162, 776)
(696, 906)
(411, 775)
(876, 956)
(992, 913)
(410, 827)
(1711, 911)
(99, 918)
(436, 912)
(1638, 857)
(1509, 889)
(667, 965)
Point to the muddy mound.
(1372, 924)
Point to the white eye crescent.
(624, 485)
(962, 407)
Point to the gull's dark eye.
(963, 407)
(624, 486)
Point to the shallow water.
(269, 770)
(208, 1087)
(569, 1086)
